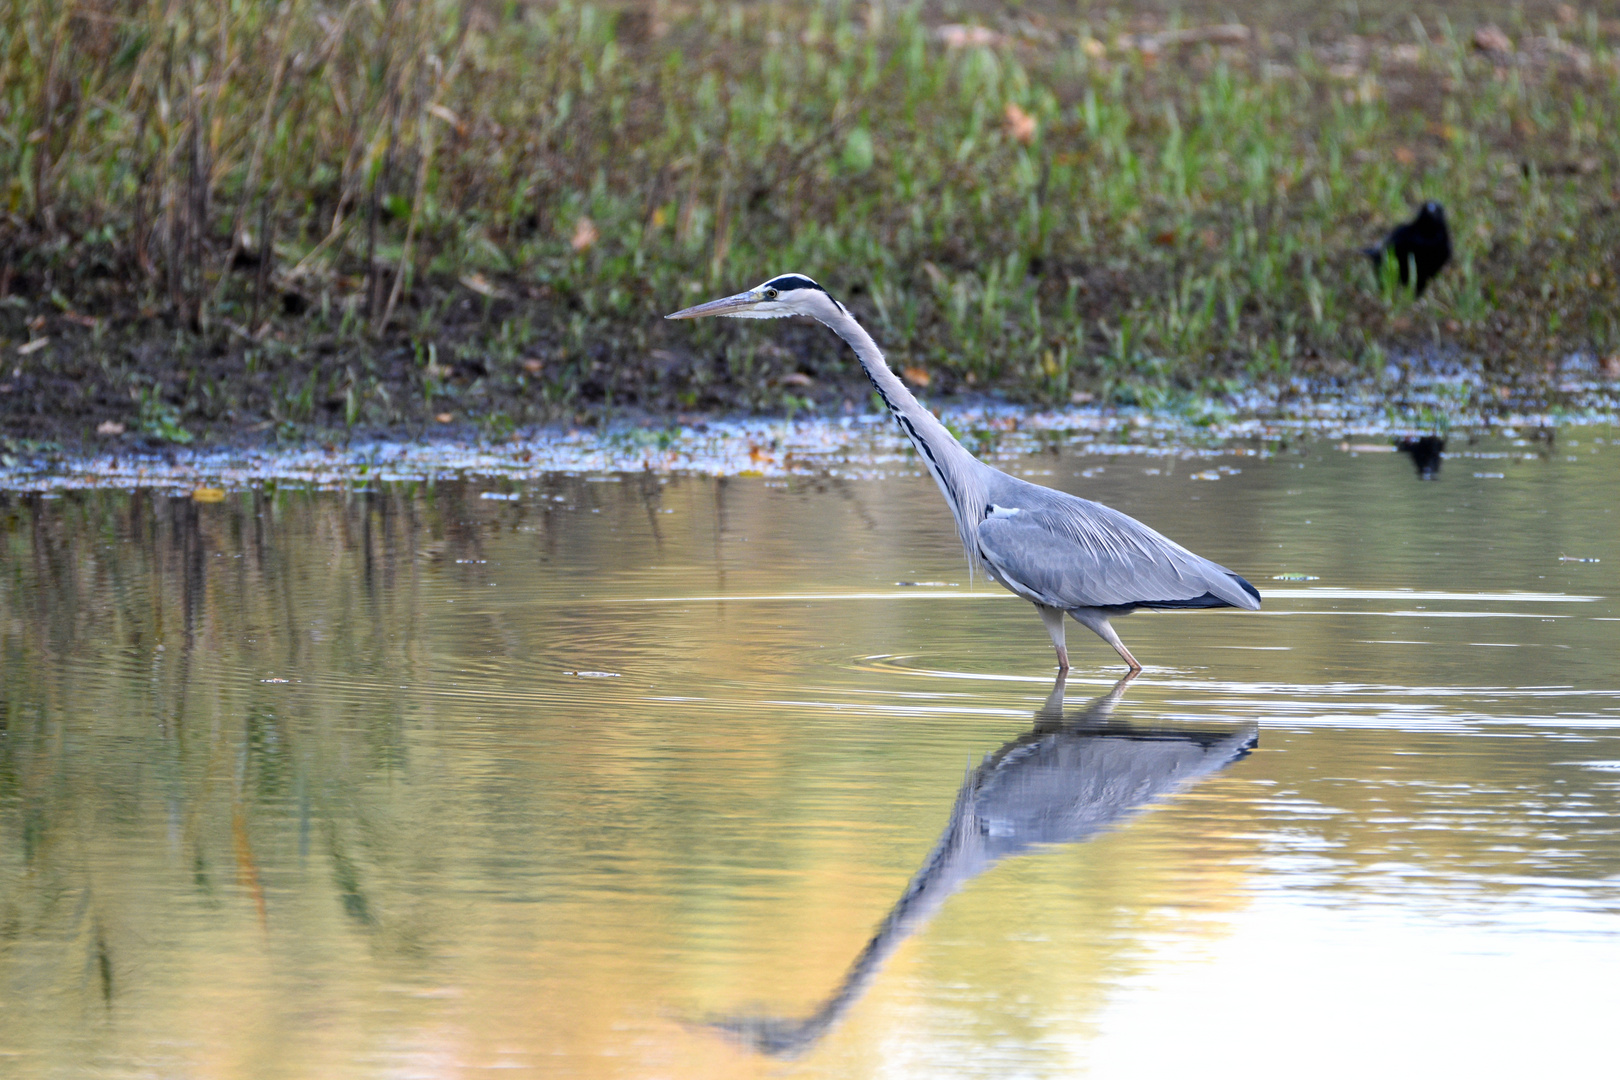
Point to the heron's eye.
(770, 294)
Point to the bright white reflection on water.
(641, 776)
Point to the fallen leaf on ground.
(1020, 125)
(1220, 34)
(444, 417)
(917, 375)
(585, 235)
(1490, 38)
(960, 36)
(447, 116)
(208, 495)
(33, 346)
(533, 366)
(478, 283)
(109, 428)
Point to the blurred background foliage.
(233, 215)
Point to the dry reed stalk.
(288, 16)
(380, 184)
(198, 185)
(346, 111)
(655, 192)
(685, 225)
(351, 175)
(43, 210)
(425, 158)
(166, 197)
(147, 56)
(140, 238)
(267, 255)
(83, 85)
(393, 93)
(722, 226)
(428, 147)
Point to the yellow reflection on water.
(408, 782)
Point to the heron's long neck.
(947, 460)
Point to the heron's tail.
(1252, 594)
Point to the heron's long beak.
(731, 305)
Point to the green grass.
(454, 190)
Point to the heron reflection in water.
(1073, 776)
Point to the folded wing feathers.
(1076, 553)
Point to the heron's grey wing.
(1068, 786)
(1076, 553)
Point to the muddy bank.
(92, 386)
(1444, 408)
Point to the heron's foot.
(1125, 654)
(1063, 661)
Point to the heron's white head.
(783, 295)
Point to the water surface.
(629, 775)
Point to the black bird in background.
(1422, 245)
(1426, 451)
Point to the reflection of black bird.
(1422, 245)
(1066, 780)
(1426, 451)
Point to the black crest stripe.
(793, 281)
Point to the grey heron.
(1062, 553)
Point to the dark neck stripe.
(926, 452)
(910, 431)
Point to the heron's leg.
(1053, 618)
(1097, 622)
